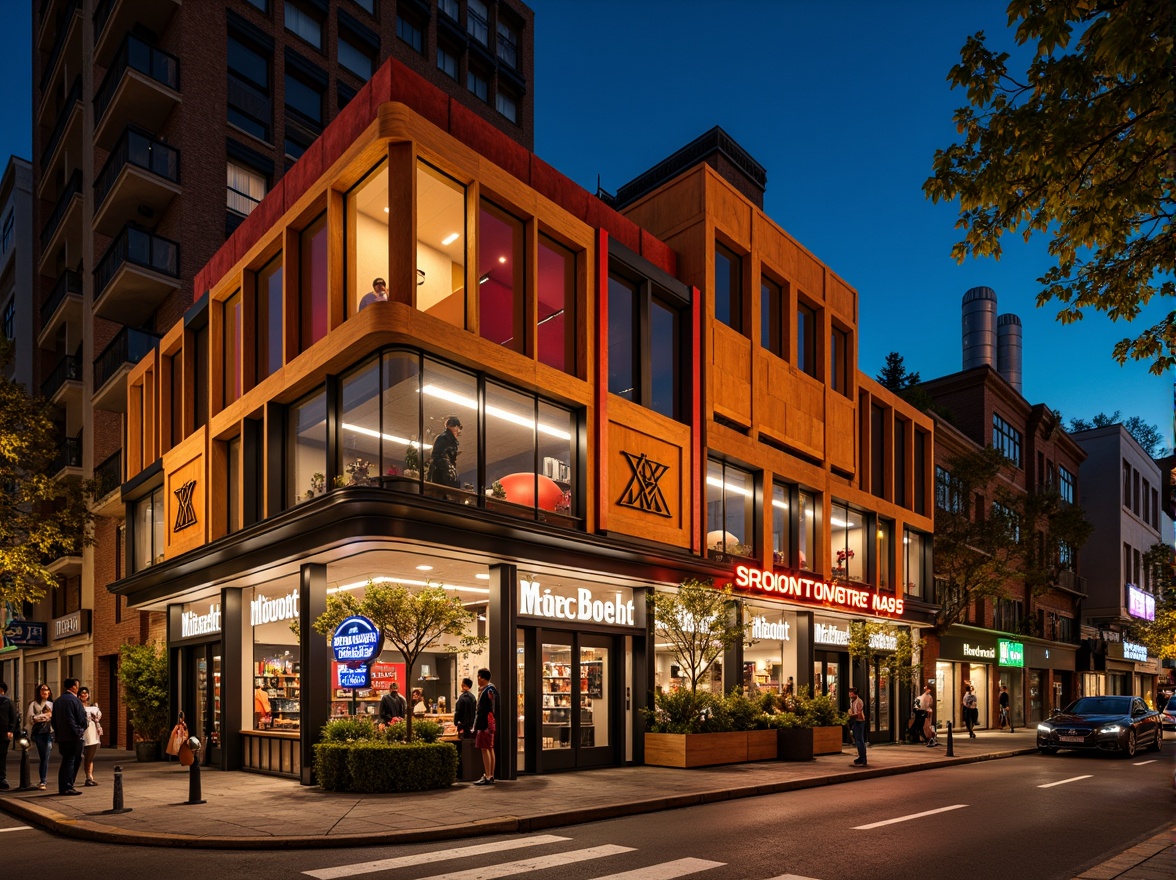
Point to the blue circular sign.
(356, 640)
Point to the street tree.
(1159, 635)
(1079, 149)
(1146, 434)
(901, 663)
(698, 622)
(894, 374)
(429, 619)
(41, 518)
(1024, 537)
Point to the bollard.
(118, 794)
(194, 774)
(950, 749)
(26, 783)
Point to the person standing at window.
(1005, 716)
(443, 467)
(379, 293)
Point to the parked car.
(1110, 723)
(1170, 714)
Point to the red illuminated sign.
(797, 588)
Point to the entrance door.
(576, 696)
(200, 691)
(880, 720)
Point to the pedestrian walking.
(69, 725)
(919, 721)
(9, 722)
(92, 738)
(971, 712)
(486, 725)
(857, 724)
(1006, 717)
(40, 714)
(927, 707)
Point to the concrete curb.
(82, 829)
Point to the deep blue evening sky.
(844, 102)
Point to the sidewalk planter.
(380, 767)
(826, 740)
(794, 743)
(146, 751)
(686, 750)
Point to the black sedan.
(1111, 723)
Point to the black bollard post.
(950, 748)
(194, 775)
(26, 783)
(118, 794)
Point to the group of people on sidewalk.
(71, 721)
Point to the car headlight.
(1111, 728)
(1044, 728)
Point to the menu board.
(383, 674)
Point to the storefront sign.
(381, 676)
(356, 641)
(76, 624)
(1140, 604)
(357, 677)
(960, 644)
(1132, 651)
(25, 632)
(582, 606)
(832, 634)
(797, 588)
(185, 511)
(1011, 653)
(263, 609)
(192, 623)
(978, 652)
(762, 628)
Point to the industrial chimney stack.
(989, 340)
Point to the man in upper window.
(379, 293)
(443, 467)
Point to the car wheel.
(1129, 748)
(1158, 742)
(1046, 751)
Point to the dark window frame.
(1007, 440)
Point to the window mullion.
(641, 366)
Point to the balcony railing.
(68, 368)
(147, 60)
(73, 188)
(69, 455)
(69, 282)
(63, 115)
(108, 475)
(128, 347)
(63, 24)
(142, 151)
(141, 248)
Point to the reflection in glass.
(367, 235)
(232, 341)
(807, 545)
(501, 258)
(270, 323)
(359, 427)
(307, 449)
(913, 550)
(555, 289)
(556, 696)
(886, 554)
(622, 375)
(510, 446)
(781, 525)
(556, 436)
(441, 244)
(594, 702)
(663, 360)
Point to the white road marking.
(18, 828)
(1141, 763)
(539, 863)
(666, 870)
(1064, 781)
(431, 857)
(908, 818)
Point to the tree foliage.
(979, 553)
(142, 670)
(698, 622)
(1147, 435)
(412, 622)
(41, 519)
(1078, 148)
(1159, 635)
(894, 374)
(900, 664)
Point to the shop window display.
(769, 660)
(846, 543)
(793, 527)
(401, 449)
(730, 511)
(450, 466)
(441, 246)
(359, 427)
(915, 548)
(307, 449)
(367, 235)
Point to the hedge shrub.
(392, 767)
(330, 765)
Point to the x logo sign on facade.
(643, 491)
(186, 512)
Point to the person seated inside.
(379, 293)
(418, 702)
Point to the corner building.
(582, 358)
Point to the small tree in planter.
(413, 622)
(699, 623)
(142, 671)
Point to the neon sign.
(1140, 604)
(809, 591)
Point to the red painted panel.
(413, 90)
(621, 228)
(659, 253)
(559, 188)
(480, 135)
(600, 340)
(381, 85)
(696, 421)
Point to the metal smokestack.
(1008, 349)
(979, 328)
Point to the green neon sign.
(1010, 653)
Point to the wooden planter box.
(687, 750)
(826, 740)
(802, 743)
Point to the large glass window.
(359, 426)
(839, 361)
(313, 283)
(949, 494)
(441, 246)
(555, 288)
(450, 399)
(304, 99)
(501, 279)
(664, 359)
(233, 484)
(232, 346)
(245, 189)
(728, 288)
(806, 339)
(478, 21)
(401, 450)
(781, 525)
(249, 105)
(1066, 484)
(730, 511)
(367, 236)
(885, 565)
(622, 368)
(150, 530)
(306, 449)
(301, 21)
(1006, 439)
(270, 319)
(644, 353)
(916, 547)
(847, 545)
(410, 33)
(772, 321)
(511, 474)
(355, 57)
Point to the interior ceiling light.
(470, 403)
(424, 568)
(482, 576)
(450, 239)
(729, 487)
(391, 438)
(502, 259)
(407, 582)
(842, 524)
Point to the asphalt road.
(1035, 816)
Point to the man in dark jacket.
(9, 720)
(485, 725)
(69, 724)
(392, 705)
(465, 710)
(443, 467)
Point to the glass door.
(879, 715)
(576, 697)
(595, 700)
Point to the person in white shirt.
(91, 739)
(857, 724)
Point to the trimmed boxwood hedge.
(384, 767)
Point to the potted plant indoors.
(142, 671)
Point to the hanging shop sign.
(200, 620)
(76, 624)
(380, 676)
(1011, 653)
(968, 647)
(28, 633)
(809, 591)
(357, 640)
(577, 605)
(836, 634)
(1132, 651)
(1140, 604)
(263, 609)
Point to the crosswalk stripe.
(539, 863)
(666, 870)
(1141, 763)
(1064, 781)
(908, 818)
(430, 857)
(18, 828)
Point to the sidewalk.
(251, 811)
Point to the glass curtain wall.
(441, 246)
(359, 426)
(730, 511)
(366, 235)
(306, 449)
(501, 277)
(402, 451)
(846, 543)
(555, 288)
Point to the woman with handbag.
(40, 713)
(92, 738)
